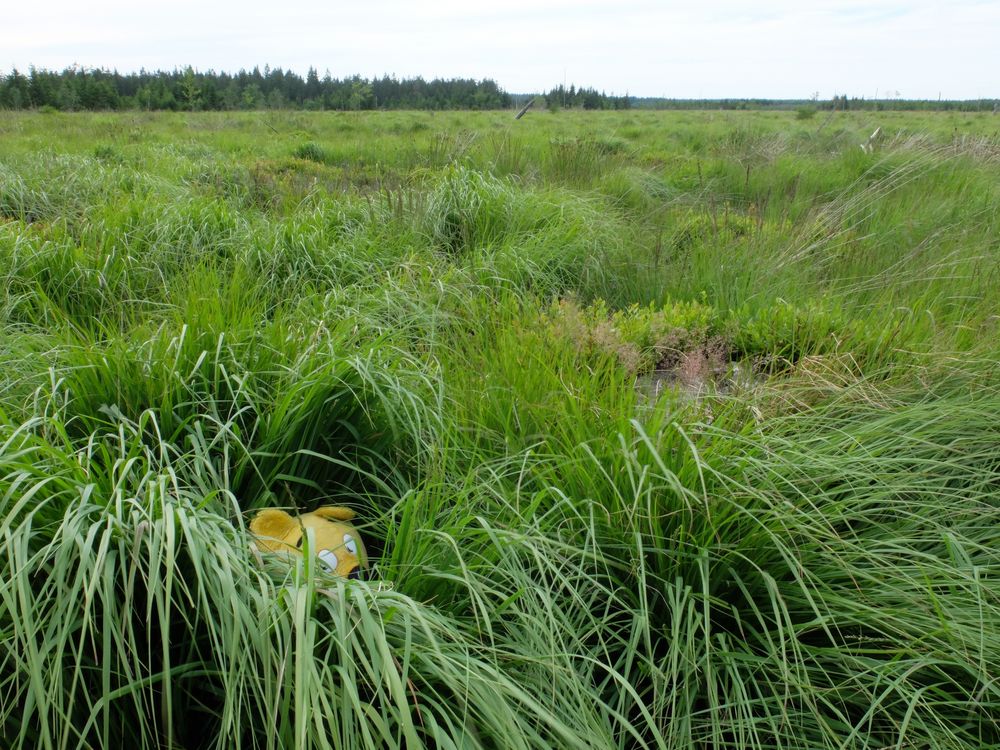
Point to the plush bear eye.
(350, 544)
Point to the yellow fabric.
(335, 543)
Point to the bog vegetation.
(663, 431)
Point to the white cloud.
(772, 48)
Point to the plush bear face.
(337, 544)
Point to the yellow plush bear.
(337, 543)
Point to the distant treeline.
(561, 96)
(842, 103)
(78, 88)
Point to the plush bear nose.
(356, 574)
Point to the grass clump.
(469, 209)
(311, 152)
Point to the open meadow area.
(663, 429)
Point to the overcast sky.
(711, 48)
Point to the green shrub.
(783, 332)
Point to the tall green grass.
(662, 430)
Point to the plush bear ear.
(272, 523)
(337, 512)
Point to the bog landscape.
(661, 429)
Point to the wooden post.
(524, 109)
